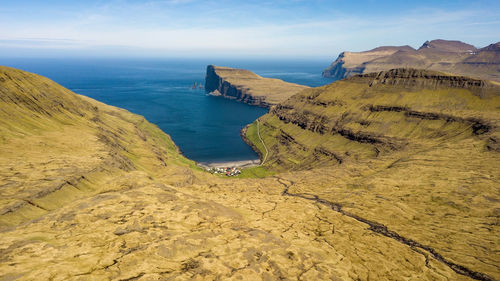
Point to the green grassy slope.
(370, 116)
(57, 146)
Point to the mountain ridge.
(440, 55)
(402, 80)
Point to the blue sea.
(205, 128)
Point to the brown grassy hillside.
(93, 192)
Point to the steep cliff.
(351, 63)
(248, 87)
(348, 111)
(441, 55)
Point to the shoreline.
(230, 164)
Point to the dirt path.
(265, 147)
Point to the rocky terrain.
(93, 192)
(248, 87)
(442, 55)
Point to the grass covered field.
(362, 182)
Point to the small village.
(228, 171)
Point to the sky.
(194, 28)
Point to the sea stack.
(248, 87)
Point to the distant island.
(246, 86)
(441, 55)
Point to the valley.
(384, 176)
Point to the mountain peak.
(492, 47)
(392, 48)
(450, 56)
(448, 46)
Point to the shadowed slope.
(58, 146)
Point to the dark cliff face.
(213, 82)
(424, 79)
(336, 70)
(408, 77)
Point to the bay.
(205, 128)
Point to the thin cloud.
(41, 43)
(149, 25)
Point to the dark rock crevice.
(478, 126)
(73, 181)
(422, 79)
(384, 231)
(329, 154)
(30, 202)
(316, 123)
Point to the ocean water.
(205, 128)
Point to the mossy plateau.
(246, 86)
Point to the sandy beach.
(231, 164)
